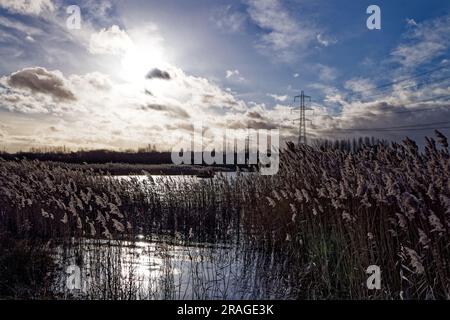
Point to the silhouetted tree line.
(100, 157)
(94, 156)
(149, 155)
(349, 145)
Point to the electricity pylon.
(302, 119)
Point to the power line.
(406, 127)
(390, 130)
(430, 81)
(425, 126)
(387, 85)
(399, 81)
(399, 111)
(409, 86)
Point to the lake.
(162, 269)
(168, 267)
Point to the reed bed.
(312, 229)
(334, 213)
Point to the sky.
(145, 72)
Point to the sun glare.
(139, 60)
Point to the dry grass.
(334, 213)
(319, 223)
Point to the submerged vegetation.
(309, 232)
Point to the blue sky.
(232, 65)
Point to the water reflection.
(162, 269)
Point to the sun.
(139, 60)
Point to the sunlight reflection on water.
(163, 270)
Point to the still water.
(162, 269)
(158, 267)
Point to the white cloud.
(90, 108)
(407, 107)
(326, 73)
(110, 41)
(27, 7)
(374, 118)
(234, 74)
(426, 41)
(359, 85)
(25, 102)
(104, 107)
(230, 73)
(228, 20)
(19, 26)
(95, 80)
(101, 10)
(325, 41)
(3, 132)
(404, 108)
(332, 94)
(422, 52)
(282, 33)
(276, 97)
(411, 22)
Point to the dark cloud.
(180, 126)
(171, 110)
(207, 98)
(158, 74)
(219, 100)
(251, 124)
(43, 81)
(386, 120)
(254, 115)
(267, 125)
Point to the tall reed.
(317, 225)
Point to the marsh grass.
(308, 232)
(26, 269)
